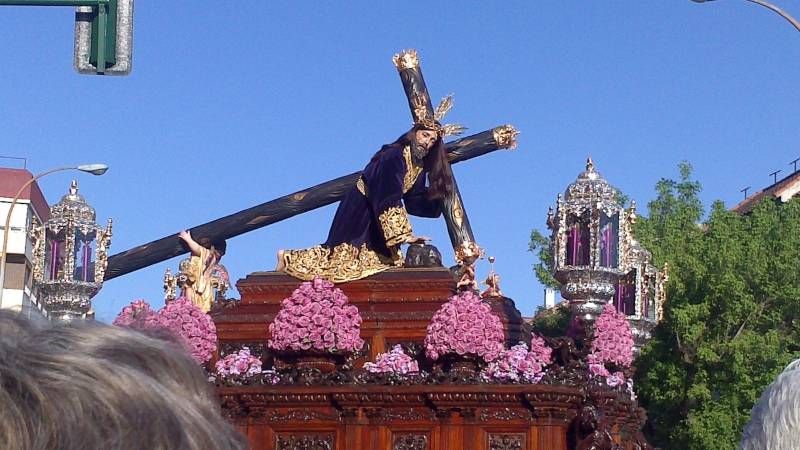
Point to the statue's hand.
(185, 235)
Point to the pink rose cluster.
(520, 364)
(612, 344)
(241, 363)
(134, 315)
(180, 316)
(464, 325)
(317, 316)
(394, 362)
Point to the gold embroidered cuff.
(395, 225)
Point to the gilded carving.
(458, 212)
(395, 225)
(505, 136)
(406, 59)
(343, 263)
(170, 286)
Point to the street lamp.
(769, 6)
(94, 169)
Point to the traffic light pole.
(104, 28)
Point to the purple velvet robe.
(357, 219)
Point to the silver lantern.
(597, 260)
(70, 254)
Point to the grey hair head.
(96, 386)
(775, 418)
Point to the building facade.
(19, 293)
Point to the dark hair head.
(219, 245)
(437, 166)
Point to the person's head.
(217, 246)
(424, 139)
(95, 386)
(775, 418)
(427, 146)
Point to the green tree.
(541, 246)
(730, 321)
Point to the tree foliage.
(541, 246)
(730, 322)
(732, 317)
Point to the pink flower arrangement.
(241, 363)
(464, 325)
(191, 324)
(520, 364)
(181, 317)
(134, 315)
(612, 345)
(317, 316)
(394, 362)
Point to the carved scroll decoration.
(506, 441)
(410, 441)
(304, 442)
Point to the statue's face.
(425, 138)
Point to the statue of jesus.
(408, 176)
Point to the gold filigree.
(361, 186)
(423, 117)
(395, 225)
(443, 108)
(341, 264)
(101, 254)
(506, 136)
(406, 59)
(468, 252)
(412, 170)
(458, 211)
(170, 286)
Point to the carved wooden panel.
(286, 441)
(507, 441)
(410, 441)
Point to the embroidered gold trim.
(341, 264)
(361, 186)
(395, 225)
(412, 170)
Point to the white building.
(18, 292)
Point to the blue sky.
(228, 107)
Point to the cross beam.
(455, 216)
(289, 206)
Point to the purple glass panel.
(54, 256)
(578, 245)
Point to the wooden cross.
(419, 102)
(259, 216)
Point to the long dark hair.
(440, 175)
